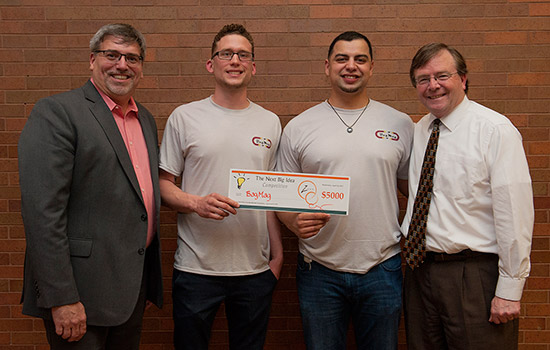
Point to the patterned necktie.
(415, 243)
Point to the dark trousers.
(197, 299)
(123, 337)
(447, 302)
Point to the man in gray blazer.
(88, 171)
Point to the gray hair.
(123, 31)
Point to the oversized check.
(277, 191)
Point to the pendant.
(350, 130)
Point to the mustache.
(121, 72)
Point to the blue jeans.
(197, 299)
(329, 299)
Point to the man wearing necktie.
(469, 217)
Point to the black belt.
(460, 256)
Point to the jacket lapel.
(105, 118)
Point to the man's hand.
(70, 321)
(276, 265)
(215, 206)
(304, 225)
(212, 206)
(503, 310)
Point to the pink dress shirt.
(131, 132)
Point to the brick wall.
(43, 50)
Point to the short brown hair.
(429, 51)
(232, 29)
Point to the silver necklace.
(350, 127)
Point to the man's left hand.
(503, 310)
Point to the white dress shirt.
(482, 195)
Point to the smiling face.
(440, 97)
(349, 66)
(117, 80)
(232, 74)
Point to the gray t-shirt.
(374, 155)
(201, 142)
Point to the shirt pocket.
(460, 176)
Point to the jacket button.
(144, 217)
(141, 251)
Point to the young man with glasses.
(222, 256)
(88, 170)
(463, 288)
(349, 267)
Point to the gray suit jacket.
(85, 220)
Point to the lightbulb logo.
(240, 180)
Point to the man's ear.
(210, 66)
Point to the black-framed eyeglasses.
(114, 56)
(227, 55)
(425, 79)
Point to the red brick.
(505, 65)
(540, 190)
(310, 2)
(537, 336)
(34, 69)
(19, 41)
(534, 296)
(69, 42)
(539, 38)
(22, 338)
(531, 346)
(538, 283)
(539, 93)
(14, 13)
(505, 38)
(334, 11)
(528, 23)
(506, 10)
(535, 106)
(526, 79)
(32, 27)
(541, 148)
(383, 11)
(539, 9)
(539, 65)
(541, 216)
(540, 270)
(535, 134)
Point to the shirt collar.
(453, 119)
(132, 107)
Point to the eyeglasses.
(114, 56)
(227, 55)
(425, 79)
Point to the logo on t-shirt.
(261, 142)
(387, 135)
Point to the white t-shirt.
(374, 155)
(201, 142)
